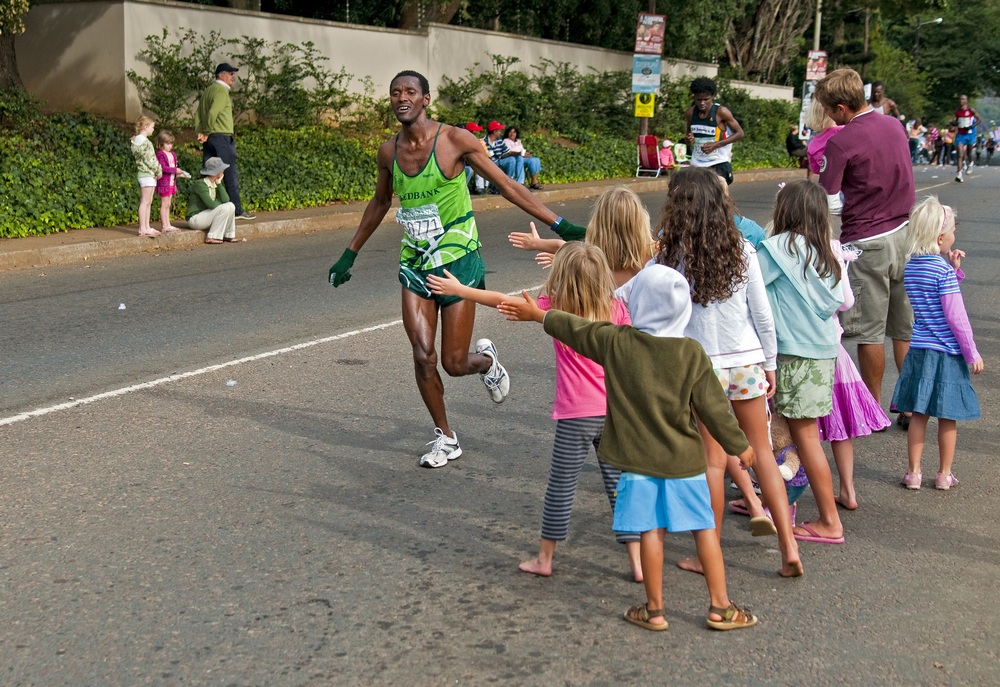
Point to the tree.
(11, 23)
(762, 41)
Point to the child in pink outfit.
(580, 281)
(166, 185)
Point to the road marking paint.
(38, 412)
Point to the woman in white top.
(531, 164)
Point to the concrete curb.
(64, 249)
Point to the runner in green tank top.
(425, 165)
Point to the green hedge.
(71, 171)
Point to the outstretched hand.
(525, 310)
(447, 285)
(544, 260)
(525, 241)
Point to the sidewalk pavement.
(97, 243)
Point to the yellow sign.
(645, 104)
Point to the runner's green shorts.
(468, 269)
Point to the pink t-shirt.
(817, 145)
(579, 380)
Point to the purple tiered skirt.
(855, 411)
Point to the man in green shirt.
(214, 123)
(424, 164)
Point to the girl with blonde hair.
(823, 129)
(619, 226)
(148, 171)
(934, 380)
(580, 283)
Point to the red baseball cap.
(473, 127)
(494, 126)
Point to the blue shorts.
(968, 139)
(647, 503)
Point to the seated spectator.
(529, 165)
(795, 147)
(667, 160)
(500, 153)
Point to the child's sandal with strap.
(733, 618)
(640, 615)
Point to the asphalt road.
(277, 531)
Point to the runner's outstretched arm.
(370, 220)
(475, 156)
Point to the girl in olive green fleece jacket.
(654, 376)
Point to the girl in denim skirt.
(934, 381)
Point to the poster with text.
(649, 34)
(645, 73)
(816, 65)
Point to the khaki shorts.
(881, 307)
(805, 386)
(742, 383)
(468, 269)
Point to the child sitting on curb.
(654, 376)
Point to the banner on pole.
(649, 33)
(816, 65)
(645, 73)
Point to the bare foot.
(847, 502)
(691, 565)
(791, 569)
(536, 567)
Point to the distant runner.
(965, 140)
(711, 129)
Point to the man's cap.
(225, 67)
(473, 127)
(494, 126)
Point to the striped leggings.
(572, 444)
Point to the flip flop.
(735, 507)
(762, 526)
(213, 241)
(815, 536)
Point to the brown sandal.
(733, 618)
(640, 615)
(213, 241)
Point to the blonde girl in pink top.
(580, 283)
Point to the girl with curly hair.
(731, 319)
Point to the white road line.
(38, 412)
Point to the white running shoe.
(496, 379)
(959, 178)
(442, 450)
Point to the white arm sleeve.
(836, 203)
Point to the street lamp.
(916, 38)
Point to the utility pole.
(644, 121)
(819, 21)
